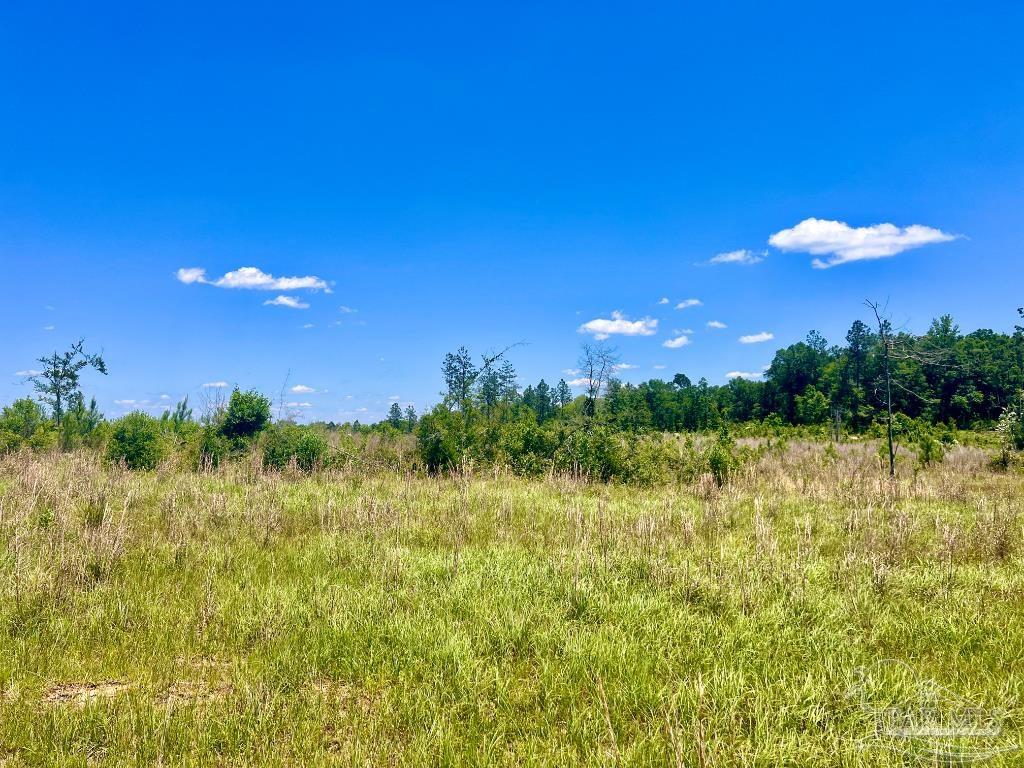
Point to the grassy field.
(243, 618)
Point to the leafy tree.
(247, 414)
(459, 375)
(812, 407)
(57, 384)
(395, 418)
(563, 395)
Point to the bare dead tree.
(597, 363)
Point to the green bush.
(283, 443)
(247, 414)
(136, 440)
(929, 450)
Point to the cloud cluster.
(842, 243)
(716, 325)
(253, 278)
(601, 328)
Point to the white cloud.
(687, 303)
(49, 327)
(253, 278)
(394, 398)
(215, 385)
(663, 300)
(302, 389)
(29, 372)
(602, 328)
(742, 256)
(757, 338)
(717, 324)
(677, 342)
(571, 371)
(843, 243)
(292, 302)
(165, 397)
(189, 275)
(623, 367)
(308, 325)
(580, 382)
(658, 367)
(749, 375)
(347, 310)
(125, 402)
(299, 405)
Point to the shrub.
(23, 417)
(929, 450)
(205, 447)
(247, 414)
(721, 458)
(137, 441)
(285, 442)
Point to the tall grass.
(241, 617)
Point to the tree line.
(878, 380)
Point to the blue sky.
(467, 174)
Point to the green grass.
(246, 619)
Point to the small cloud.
(126, 402)
(302, 389)
(253, 278)
(757, 338)
(49, 327)
(623, 367)
(189, 275)
(299, 405)
(619, 324)
(663, 300)
(29, 372)
(683, 331)
(677, 342)
(308, 325)
(394, 398)
(749, 375)
(843, 243)
(717, 325)
(571, 371)
(348, 310)
(292, 302)
(687, 303)
(658, 367)
(215, 385)
(742, 256)
(165, 397)
(580, 382)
